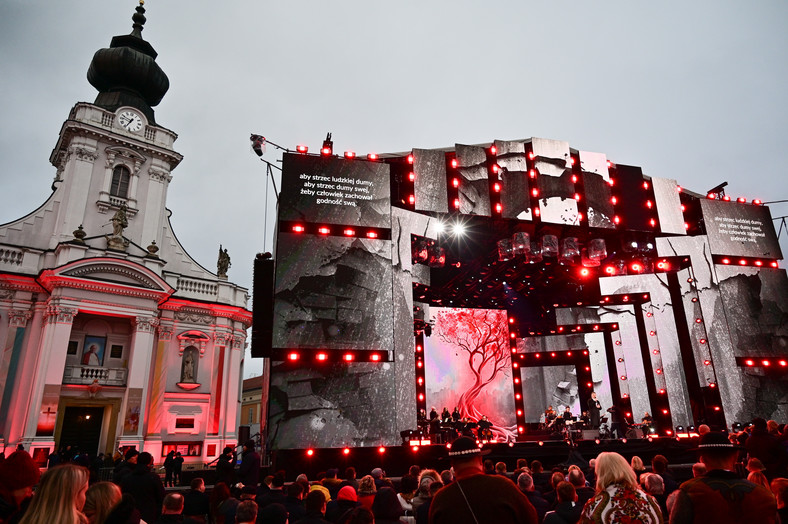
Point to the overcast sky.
(694, 91)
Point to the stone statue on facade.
(187, 373)
(223, 264)
(119, 222)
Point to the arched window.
(120, 181)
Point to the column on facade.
(232, 398)
(47, 378)
(135, 403)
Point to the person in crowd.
(637, 466)
(423, 513)
(426, 477)
(540, 476)
(591, 472)
(767, 448)
(169, 466)
(475, 497)
(276, 494)
(223, 504)
(196, 503)
(757, 477)
(246, 512)
(653, 484)
(273, 514)
(500, 469)
(386, 507)
(146, 488)
(779, 488)
(177, 468)
(447, 477)
(360, 516)
(773, 428)
(332, 482)
(521, 467)
(489, 467)
(407, 490)
(18, 475)
(659, 465)
(340, 509)
(721, 496)
(294, 502)
(350, 478)
(249, 472)
(526, 484)
(315, 508)
(100, 499)
(578, 480)
(126, 466)
(380, 478)
(698, 469)
(703, 429)
(551, 495)
(225, 467)
(567, 511)
(60, 497)
(618, 497)
(172, 510)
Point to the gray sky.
(694, 91)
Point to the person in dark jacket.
(196, 503)
(169, 466)
(125, 466)
(386, 506)
(249, 472)
(578, 480)
(275, 495)
(315, 508)
(146, 488)
(526, 484)
(294, 502)
(767, 448)
(18, 475)
(567, 511)
(177, 468)
(225, 467)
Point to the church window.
(120, 182)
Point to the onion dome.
(126, 73)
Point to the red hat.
(347, 493)
(18, 471)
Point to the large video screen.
(468, 365)
(739, 229)
(332, 190)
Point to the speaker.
(243, 434)
(262, 306)
(590, 434)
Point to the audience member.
(555, 479)
(653, 484)
(618, 497)
(331, 482)
(447, 477)
(637, 466)
(703, 429)
(500, 469)
(541, 477)
(275, 494)
(591, 472)
(125, 467)
(698, 469)
(483, 498)
(60, 496)
(196, 503)
(249, 472)
(767, 448)
(366, 491)
(315, 508)
(350, 478)
(104, 503)
(146, 488)
(757, 477)
(294, 502)
(223, 504)
(172, 510)
(526, 484)
(247, 513)
(423, 513)
(779, 488)
(18, 475)
(339, 510)
(721, 496)
(567, 511)
(659, 465)
(386, 507)
(273, 514)
(407, 490)
(360, 516)
(578, 480)
(426, 477)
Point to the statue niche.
(191, 356)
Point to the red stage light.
(326, 151)
(616, 219)
(517, 396)
(516, 380)
(716, 408)
(636, 267)
(412, 199)
(421, 396)
(310, 452)
(418, 347)
(323, 230)
(298, 228)
(585, 352)
(613, 200)
(623, 377)
(663, 265)
(381, 449)
(348, 357)
(495, 168)
(577, 197)
(726, 260)
(302, 149)
(574, 179)
(773, 264)
(645, 185)
(350, 154)
(661, 391)
(686, 225)
(531, 155)
(493, 150)
(783, 363)
(411, 176)
(419, 364)
(322, 356)
(372, 156)
(726, 198)
(610, 270)
(742, 262)
(707, 362)
(414, 448)
(757, 202)
(711, 196)
(749, 362)
(668, 432)
(571, 161)
(346, 451)
(741, 200)
(497, 187)
(456, 203)
(589, 384)
(454, 163)
(537, 213)
(372, 234)
(420, 380)
(349, 232)
(498, 208)
(664, 411)
(702, 341)
(649, 204)
(293, 356)
(535, 192)
(552, 354)
(538, 355)
(712, 385)
(584, 272)
(588, 368)
(515, 365)
(658, 372)
(410, 159)
(758, 263)
(519, 412)
(652, 222)
(766, 363)
(532, 173)
(698, 320)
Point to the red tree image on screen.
(482, 334)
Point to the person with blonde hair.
(637, 466)
(60, 497)
(100, 498)
(618, 496)
(366, 491)
(757, 477)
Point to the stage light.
(658, 371)
(538, 355)
(742, 262)
(613, 200)
(585, 352)
(496, 168)
(540, 442)
(726, 261)
(686, 225)
(454, 163)
(749, 362)
(302, 149)
(498, 208)
(707, 362)
(519, 412)
(411, 199)
(493, 150)
(668, 432)
(711, 196)
(456, 203)
(726, 198)
(535, 192)
(517, 396)
(610, 270)
(421, 396)
(649, 204)
(293, 356)
(552, 354)
(346, 451)
(637, 267)
(381, 450)
(766, 363)
(589, 384)
(323, 230)
(411, 176)
(698, 320)
(348, 357)
(783, 363)
(773, 264)
(372, 156)
(310, 452)
(652, 333)
(420, 381)
(419, 364)
(516, 380)
(664, 411)
(758, 263)
(584, 272)
(531, 155)
(663, 265)
(588, 368)
(716, 408)
(537, 212)
(322, 357)
(372, 234)
(712, 385)
(326, 151)
(532, 173)
(349, 232)
(623, 377)
(410, 159)
(298, 228)
(497, 187)
(350, 154)
(577, 197)
(757, 202)
(616, 219)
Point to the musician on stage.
(484, 432)
(549, 417)
(567, 414)
(445, 416)
(585, 419)
(435, 425)
(594, 408)
(433, 413)
(455, 415)
(647, 423)
(467, 427)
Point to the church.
(112, 335)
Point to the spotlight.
(258, 144)
(328, 146)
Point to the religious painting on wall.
(131, 422)
(93, 350)
(48, 415)
(468, 366)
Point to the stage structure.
(505, 277)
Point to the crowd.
(740, 477)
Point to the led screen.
(740, 229)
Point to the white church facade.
(111, 334)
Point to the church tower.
(113, 336)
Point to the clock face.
(130, 121)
